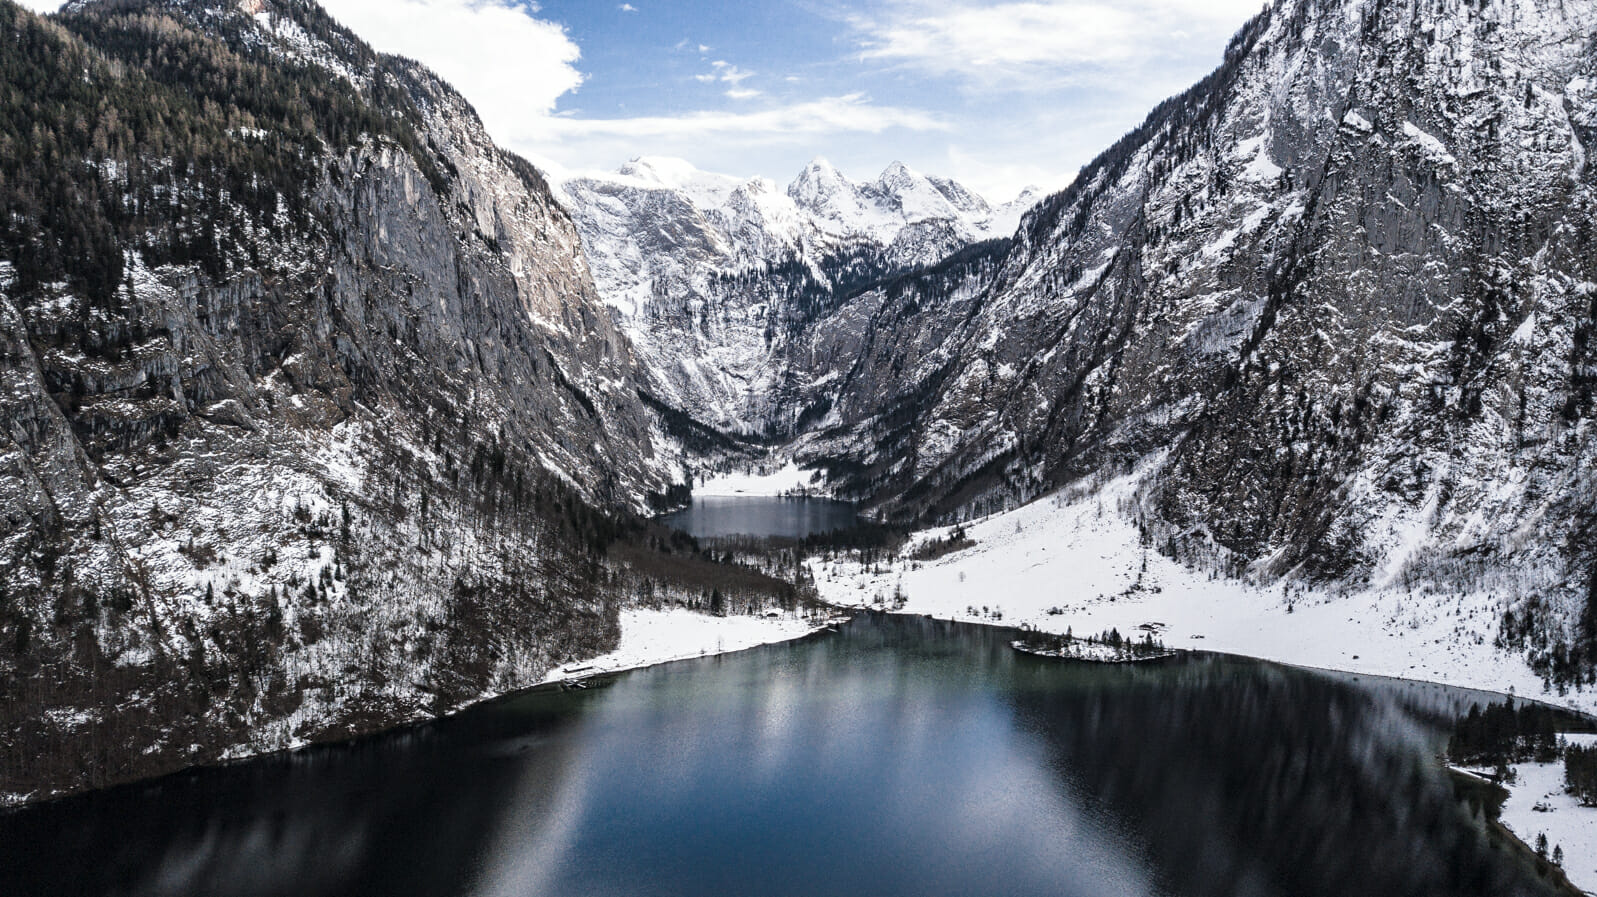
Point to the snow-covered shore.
(1537, 804)
(1068, 562)
(649, 637)
(1078, 564)
(788, 480)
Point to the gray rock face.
(1343, 290)
(1340, 297)
(717, 280)
(1341, 293)
(342, 485)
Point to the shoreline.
(12, 802)
(1076, 562)
(627, 657)
(842, 613)
(1199, 651)
(1499, 828)
(632, 658)
(786, 481)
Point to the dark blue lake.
(897, 756)
(716, 516)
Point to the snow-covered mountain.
(312, 433)
(303, 436)
(713, 276)
(1337, 303)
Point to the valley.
(324, 413)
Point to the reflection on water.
(738, 515)
(899, 756)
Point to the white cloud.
(518, 69)
(1034, 44)
(802, 121)
(725, 72)
(41, 6)
(511, 66)
(515, 68)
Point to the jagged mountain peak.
(918, 197)
(707, 190)
(820, 166)
(897, 172)
(711, 274)
(821, 187)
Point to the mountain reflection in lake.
(898, 756)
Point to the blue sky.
(996, 93)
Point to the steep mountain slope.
(1343, 291)
(717, 279)
(307, 395)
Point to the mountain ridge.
(713, 276)
(315, 422)
(1338, 287)
(323, 411)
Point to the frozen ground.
(1561, 818)
(1077, 563)
(655, 636)
(786, 481)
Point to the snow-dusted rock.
(717, 281)
(333, 480)
(1344, 287)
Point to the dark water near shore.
(739, 515)
(897, 756)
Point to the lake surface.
(896, 756)
(714, 516)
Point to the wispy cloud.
(796, 122)
(515, 67)
(736, 141)
(729, 74)
(725, 72)
(1033, 44)
(999, 176)
(993, 97)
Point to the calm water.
(897, 756)
(712, 516)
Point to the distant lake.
(714, 516)
(897, 756)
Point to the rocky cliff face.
(717, 281)
(1343, 290)
(307, 395)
